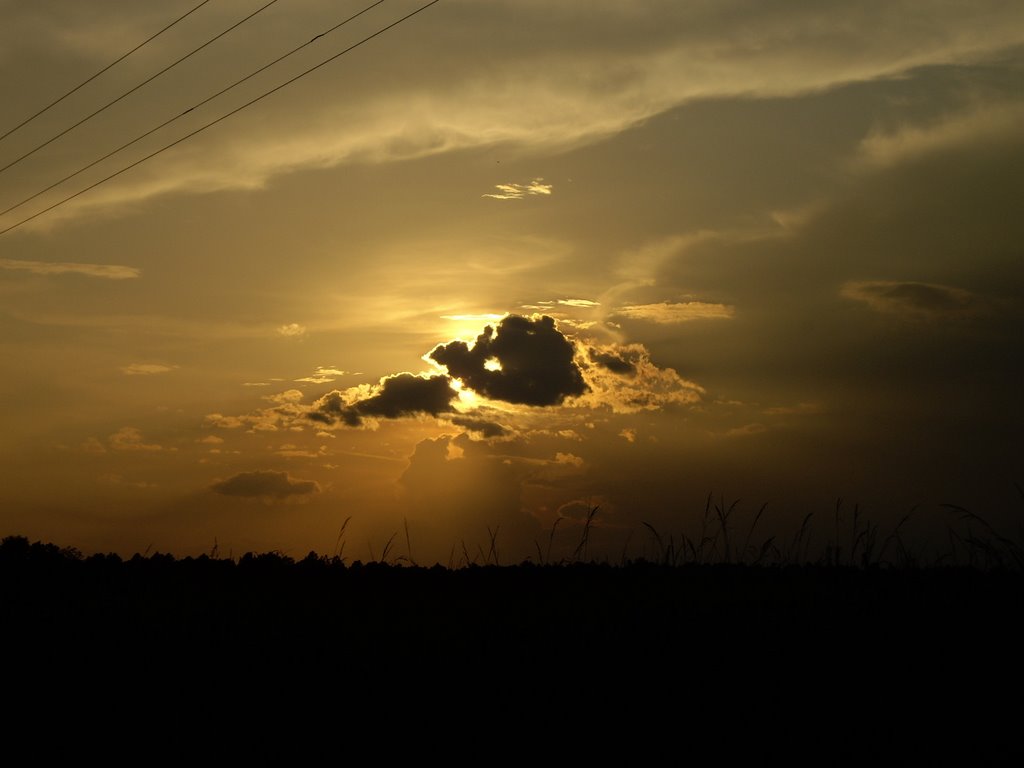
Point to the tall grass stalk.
(493, 551)
(408, 544)
(339, 545)
(581, 548)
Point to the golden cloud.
(683, 312)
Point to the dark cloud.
(580, 509)
(400, 395)
(268, 484)
(612, 362)
(530, 361)
(484, 427)
(907, 298)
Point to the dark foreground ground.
(829, 664)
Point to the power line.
(84, 83)
(177, 117)
(137, 87)
(210, 124)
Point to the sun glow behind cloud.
(466, 327)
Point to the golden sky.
(766, 250)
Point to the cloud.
(400, 395)
(613, 362)
(645, 388)
(106, 271)
(624, 64)
(580, 509)
(527, 361)
(224, 422)
(394, 397)
(289, 396)
(130, 439)
(524, 360)
(484, 427)
(747, 430)
(291, 330)
(666, 314)
(978, 125)
(519, 191)
(323, 375)
(584, 303)
(292, 451)
(266, 484)
(913, 300)
(282, 415)
(568, 458)
(146, 369)
(92, 445)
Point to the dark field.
(865, 659)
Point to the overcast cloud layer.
(582, 73)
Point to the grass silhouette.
(721, 537)
(866, 631)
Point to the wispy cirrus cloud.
(146, 369)
(666, 313)
(519, 191)
(104, 271)
(324, 375)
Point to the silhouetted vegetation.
(707, 618)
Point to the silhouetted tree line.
(183, 629)
(368, 601)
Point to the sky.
(504, 264)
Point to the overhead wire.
(223, 117)
(137, 87)
(116, 61)
(194, 107)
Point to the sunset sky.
(770, 251)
